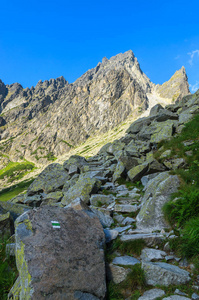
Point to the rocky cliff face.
(48, 120)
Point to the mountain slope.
(47, 121)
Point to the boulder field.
(71, 211)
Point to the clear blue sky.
(48, 39)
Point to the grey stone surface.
(98, 199)
(125, 208)
(77, 204)
(150, 254)
(122, 229)
(128, 220)
(152, 294)
(119, 171)
(195, 296)
(104, 217)
(151, 239)
(117, 273)
(110, 234)
(178, 292)
(159, 273)
(176, 297)
(49, 180)
(84, 296)
(70, 257)
(158, 192)
(125, 260)
(136, 173)
(83, 188)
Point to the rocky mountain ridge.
(47, 121)
(95, 189)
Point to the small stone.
(152, 254)
(119, 218)
(178, 292)
(110, 235)
(116, 273)
(10, 249)
(121, 229)
(128, 220)
(97, 199)
(77, 204)
(194, 296)
(125, 208)
(167, 247)
(125, 261)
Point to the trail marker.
(55, 224)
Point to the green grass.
(190, 238)
(182, 211)
(11, 192)
(67, 143)
(8, 271)
(16, 170)
(50, 156)
(133, 285)
(131, 248)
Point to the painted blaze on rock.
(56, 262)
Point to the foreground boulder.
(160, 273)
(59, 255)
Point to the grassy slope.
(183, 210)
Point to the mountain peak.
(176, 87)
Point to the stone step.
(125, 208)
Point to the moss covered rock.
(52, 178)
(83, 188)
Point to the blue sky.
(48, 39)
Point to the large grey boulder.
(160, 273)
(136, 173)
(119, 171)
(52, 178)
(157, 193)
(59, 255)
(155, 110)
(74, 163)
(83, 188)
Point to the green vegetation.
(108, 192)
(14, 190)
(133, 285)
(67, 143)
(130, 185)
(8, 271)
(16, 170)
(182, 211)
(131, 248)
(50, 156)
